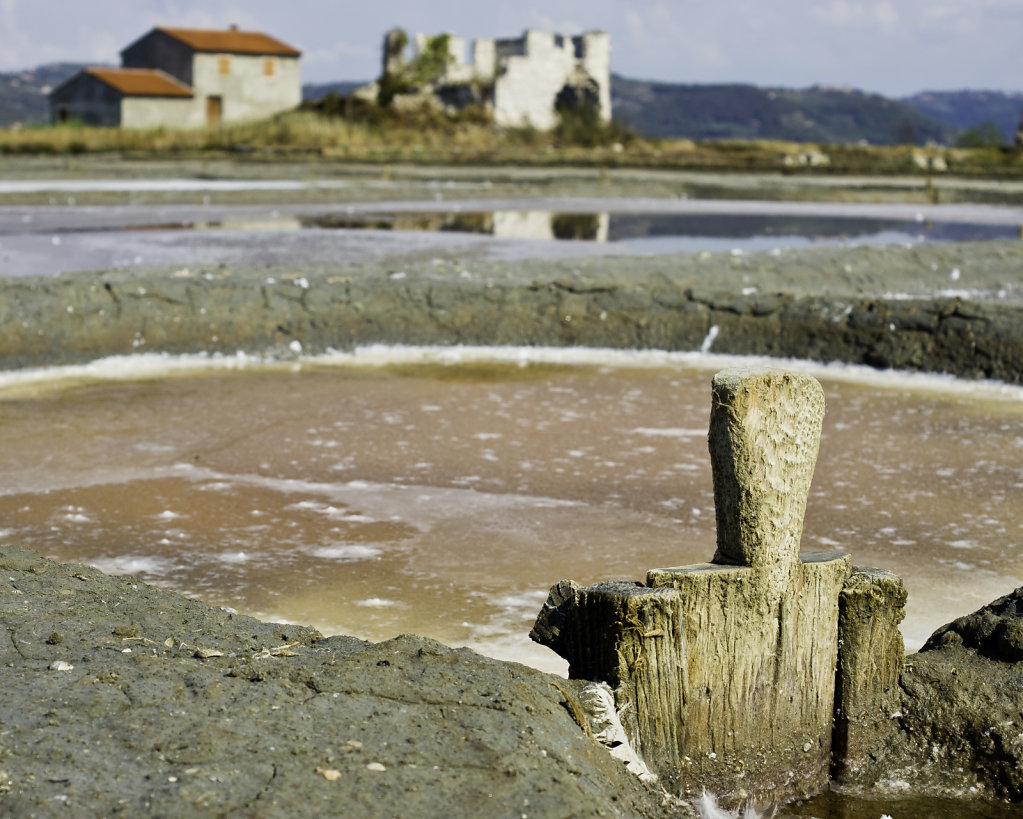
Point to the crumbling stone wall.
(527, 85)
(521, 79)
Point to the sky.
(892, 47)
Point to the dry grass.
(426, 137)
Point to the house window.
(269, 67)
(224, 66)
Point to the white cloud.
(341, 51)
(689, 47)
(844, 14)
(101, 47)
(562, 25)
(191, 15)
(838, 13)
(886, 17)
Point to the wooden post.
(870, 659)
(760, 624)
(628, 636)
(765, 430)
(752, 685)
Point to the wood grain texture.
(724, 673)
(871, 655)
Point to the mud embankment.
(942, 308)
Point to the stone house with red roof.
(185, 78)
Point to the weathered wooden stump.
(626, 635)
(725, 672)
(760, 625)
(870, 658)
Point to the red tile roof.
(231, 41)
(141, 82)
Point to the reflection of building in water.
(542, 224)
(523, 224)
(270, 223)
(504, 224)
(591, 226)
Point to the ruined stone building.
(185, 78)
(520, 79)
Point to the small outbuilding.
(136, 97)
(185, 78)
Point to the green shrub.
(427, 67)
(580, 125)
(985, 135)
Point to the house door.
(213, 110)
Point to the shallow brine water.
(444, 496)
(652, 232)
(45, 240)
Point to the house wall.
(87, 99)
(155, 112)
(245, 90)
(159, 50)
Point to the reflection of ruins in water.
(538, 224)
(508, 224)
(644, 230)
(641, 231)
(502, 224)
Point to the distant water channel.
(43, 240)
(678, 232)
(442, 491)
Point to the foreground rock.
(958, 717)
(124, 699)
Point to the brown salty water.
(444, 497)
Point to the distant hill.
(315, 91)
(818, 114)
(23, 94)
(968, 109)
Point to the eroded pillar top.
(765, 428)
